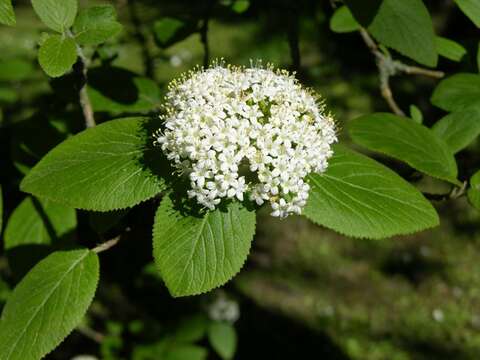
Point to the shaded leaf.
(223, 338)
(471, 8)
(195, 254)
(342, 21)
(460, 128)
(364, 11)
(38, 222)
(406, 26)
(48, 304)
(474, 191)
(449, 48)
(15, 70)
(169, 30)
(96, 25)
(359, 197)
(407, 141)
(58, 15)
(108, 167)
(57, 55)
(457, 92)
(1, 209)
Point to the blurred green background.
(306, 292)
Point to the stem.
(455, 193)
(106, 245)
(292, 35)
(91, 334)
(204, 33)
(85, 103)
(148, 61)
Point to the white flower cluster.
(253, 131)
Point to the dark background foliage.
(305, 291)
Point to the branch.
(387, 67)
(83, 94)
(106, 245)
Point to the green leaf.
(7, 16)
(96, 25)
(416, 114)
(185, 352)
(359, 197)
(240, 6)
(471, 8)
(57, 55)
(169, 30)
(474, 192)
(38, 222)
(460, 128)
(223, 338)
(342, 21)
(457, 92)
(58, 15)
(8, 95)
(406, 141)
(191, 330)
(48, 304)
(111, 166)
(195, 254)
(449, 48)
(15, 70)
(406, 26)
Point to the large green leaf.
(405, 140)
(48, 304)
(359, 197)
(96, 25)
(449, 48)
(7, 16)
(195, 254)
(342, 21)
(474, 191)
(223, 338)
(57, 55)
(406, 26)
(471, 8)
(457, 92)
(111, 166)
(38, 222)
(460, 128)
(58, 15)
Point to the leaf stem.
(106, 245)
(83, 93)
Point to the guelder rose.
(240, 132)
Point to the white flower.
(224, 125)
